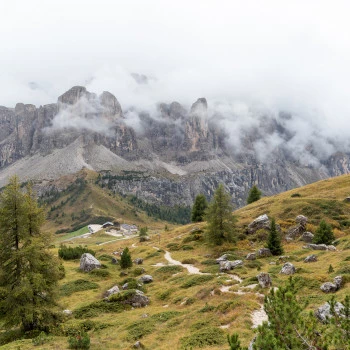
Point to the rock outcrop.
(323, 313)
(261, 222)
(264, 252)
(146, 279)
(230, 265)
(311, 258)
(288, 269)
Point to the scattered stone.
(310, 258)
(195, 229)
(262, 222)
(301, 220)
(144, 238)
(111, 291)
(347, 199)
(67, 312)
(264, 252)
(125, 286)
(338, 281)
(88, 262)
(251, 256)
(264, 280)
(329, 287)
(288, 269)
(144, 315)
(138, 261)
(146, 279)
(331, 248)
(283, 258)
(137, 299)
(299, 228)
(138, 345)
(123, 273)
(323, 313)
(230, 265)
(222, 258)
(272, 263)
(289, 239)
(307, 237)
(115, 261)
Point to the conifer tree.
(234, 342)
(324, 234)
(274, 240)
(199, 207)
(29, 273)
(125, 259)
(254, 195)
(221, 222)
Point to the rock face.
(176, 152)
(88, 262)
(310, 258)
(261, 222)
(264, 280)
(146, 279)
(288, 269)
(230, 265)
(323, 313)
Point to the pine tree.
(254, 195)
(234, 342)
(324, 234)
(29, 273)
(221, 222)
(125, 259)
(274, 240)
(199, 207)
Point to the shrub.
(79, 341)
(296, 195)
(125, 260)
(197, 280)
(189, 261)
(203, 338)
(100, 273)
(96, 308)
(167, 271)
(72, 253)
(173, 246)
(138, 271)
(324, 234)
(77, 286)
(187, 247)
(41, 339)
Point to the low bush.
(77, 286)
(187, 247)
(197, 280)
(203, 338)
(294, 195)
(138, 271)
(173, 246)
(189, 261)
(96, 308)
(80, 340)
(100, 273)
(72, 253)
(169, 270)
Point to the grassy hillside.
(198, 310)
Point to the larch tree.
(221, 221)
(28, 272)
(199, 207)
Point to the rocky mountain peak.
(200, 107)
(73, 95)
(110, 104)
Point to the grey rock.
(310, 258)
(138, 345)
(67, 312)
(146, 279)
(114, 290)
(137, 299)
(264, 252)
(288, 269)
(301, 220)
(307, 237)
(230, 265)
(222, 258)
(138, 261)
(323, 313)
(264, 280)
(317, 246)
(251, 256)
(329, 287)
(338, 281)
(261, 222)
(88, 262)
(331, 248)
(115, 261)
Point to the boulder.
(138, 345)
(264, 252)
(329, 287)
(338, 281)
(307, 237)
(301, 220)
(222, 258)
(111, 291)
(283, 258)
(230, 265)
(251, 256)
(295, 231)
(310, 258)
(261, 222)
(138, 261)
(317, 246)
(264, 280)
(136, 298)
(67, 312)
(331, 248)
(146, 279)
(323, 313)
(88, 262)
(288, 269)
(115, 261)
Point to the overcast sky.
(292, 55)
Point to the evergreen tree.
(324, 234)
(125, 259)
(274, 240)
(199, 207)
(221, 222)
(254, 195)
(29, 273)
(234, 342)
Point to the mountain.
(164, 157)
